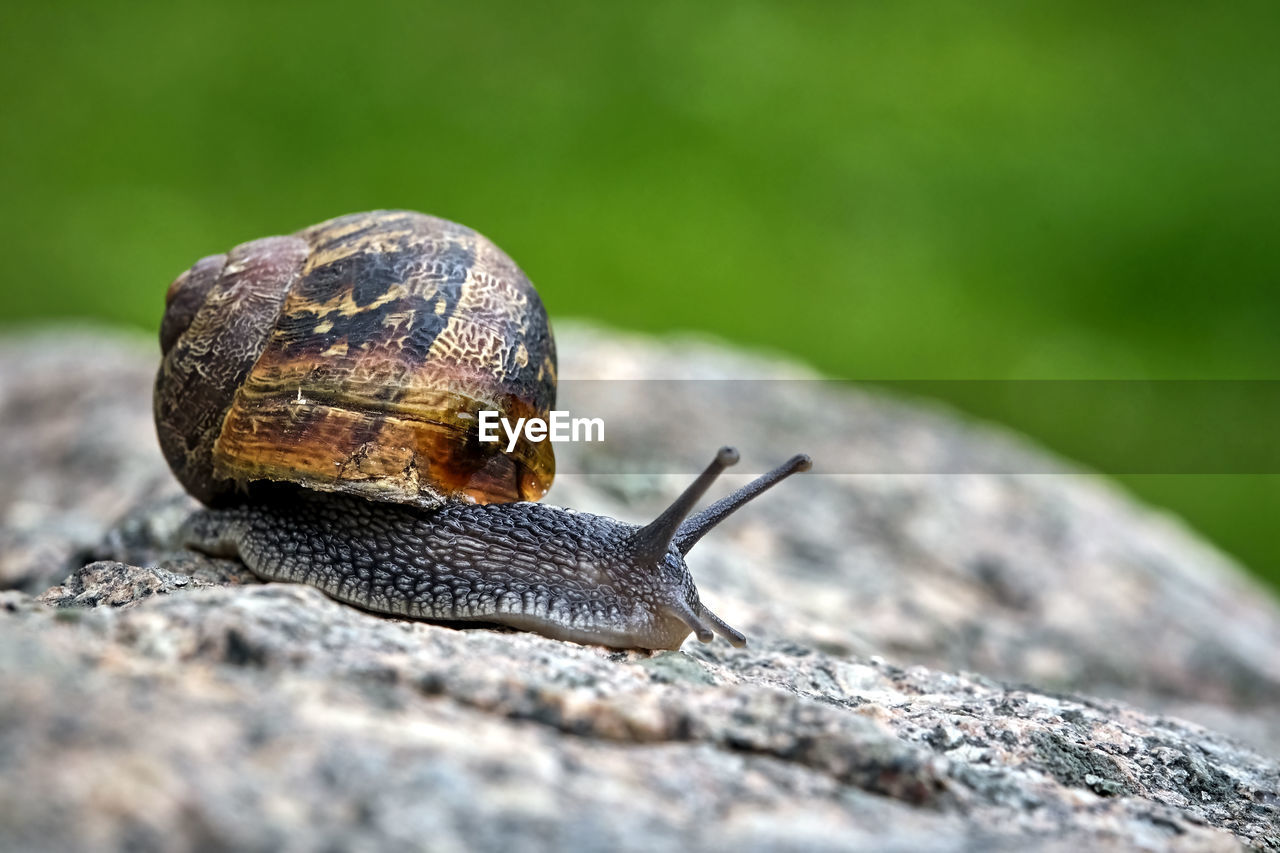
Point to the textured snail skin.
(564, 574)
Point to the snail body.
(319, 392)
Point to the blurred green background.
(887, 190)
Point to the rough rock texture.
(77, 446)
(1051, 577)
(170, 701)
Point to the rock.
(259, 716)
(156, 699)
(959, 546)
(116, 584)
(77, 446)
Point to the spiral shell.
(355, 356)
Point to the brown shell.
(355, 356)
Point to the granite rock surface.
(994, 651)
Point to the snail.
(319, 394)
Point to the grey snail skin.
(319, 392)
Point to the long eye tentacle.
(652, 540)
(688, 533)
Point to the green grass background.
(889, 190)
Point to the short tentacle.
(724, 629)
(685, 614)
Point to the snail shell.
(354, 356)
